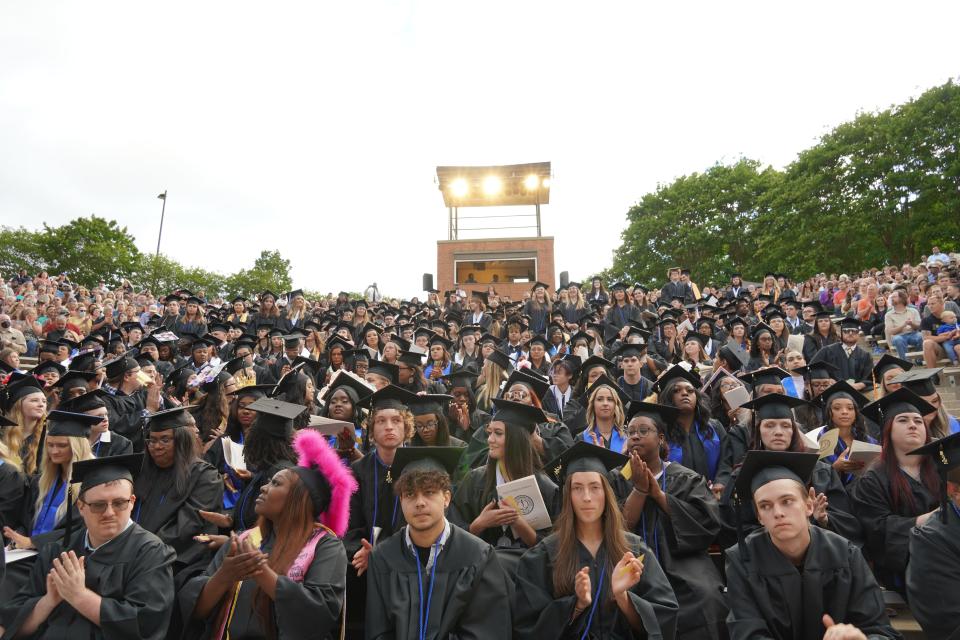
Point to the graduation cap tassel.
(744, 552)
(68, 527)
(943, 490)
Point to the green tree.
(86, 249)
(270, 271)
(703, 221)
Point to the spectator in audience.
(902, 325)
(10, 337)
(933, 341)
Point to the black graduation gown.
(126, 415)
(550, 405)
(471, 498)
(637, 391)
(471, 592)
(556, 438)
(380, 493)
(681, 542)
(118, 446)
(933, 575)
(131, 573)
(770, 598)
(858, 367)
(695, 456)
(887, 530)
(174, 517)
(840, 513)
(307, 609)
(732, 450)
(539, 614)
(13, 488)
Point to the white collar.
(86, 538)
(435, 548)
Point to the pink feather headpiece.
(313, 452)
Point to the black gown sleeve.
(887, 533)
(311, 609)
(694, 519)
(732, 451)
(13, 488)
(933, 575)
(840, 517)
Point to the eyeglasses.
(100, 507)
(850, 330)
(518, 395)
(165, 441)
(643, 432)
(427, 425)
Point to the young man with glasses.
(853, 363)
(109, 579)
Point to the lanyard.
(596, 599)
(376, 495)
(656, 521)
(425, 612)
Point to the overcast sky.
(315, 127)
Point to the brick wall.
(449, 250)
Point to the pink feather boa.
(314, 453)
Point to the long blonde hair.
(618, 414)
(14, 436)
(491, 377)
(50, 472)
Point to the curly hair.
(408, 423)
(420, 481)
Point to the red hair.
(901, 496)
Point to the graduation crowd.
(594, 461)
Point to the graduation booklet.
(15, 555)
(863, 452)
(524, 495)
(233, 454)
(328, 426)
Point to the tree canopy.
(880, 189)
(92, 249)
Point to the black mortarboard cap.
(539, 385)
(410, 358)
(462, 378)
(676, 371)
(945, 454)
(584, 457)
(169, 419)
(389, 397)
(426, 403)
(87, 402)
(774, 406)
(818, 370)
(275, 417)
(20, 389)
(345, 379)
(413, 459)
(388, 370)
(48, 365)
(762, 467)
(887, 362)
(500, 359)
(766, 375)
(73, 379)
(97, 471)
(518, 414)
(77, 425)
(900, 401)
(841, 386)
(604, 379)
(920, 381)
(666, 413)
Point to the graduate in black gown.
(13, 485)
(124, 587)
(591, 578)
(285, 578)
(853, 363)
(900, 491)
(375, 512)
(790, 579)
(694, 439)
(671, 508)
(104, 442)
(934, 569)
(511, 456)
(433, 579)
(174, 486)
(774, 428)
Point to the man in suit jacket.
(855, 365)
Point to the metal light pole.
(156, 259)
(163, 210)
